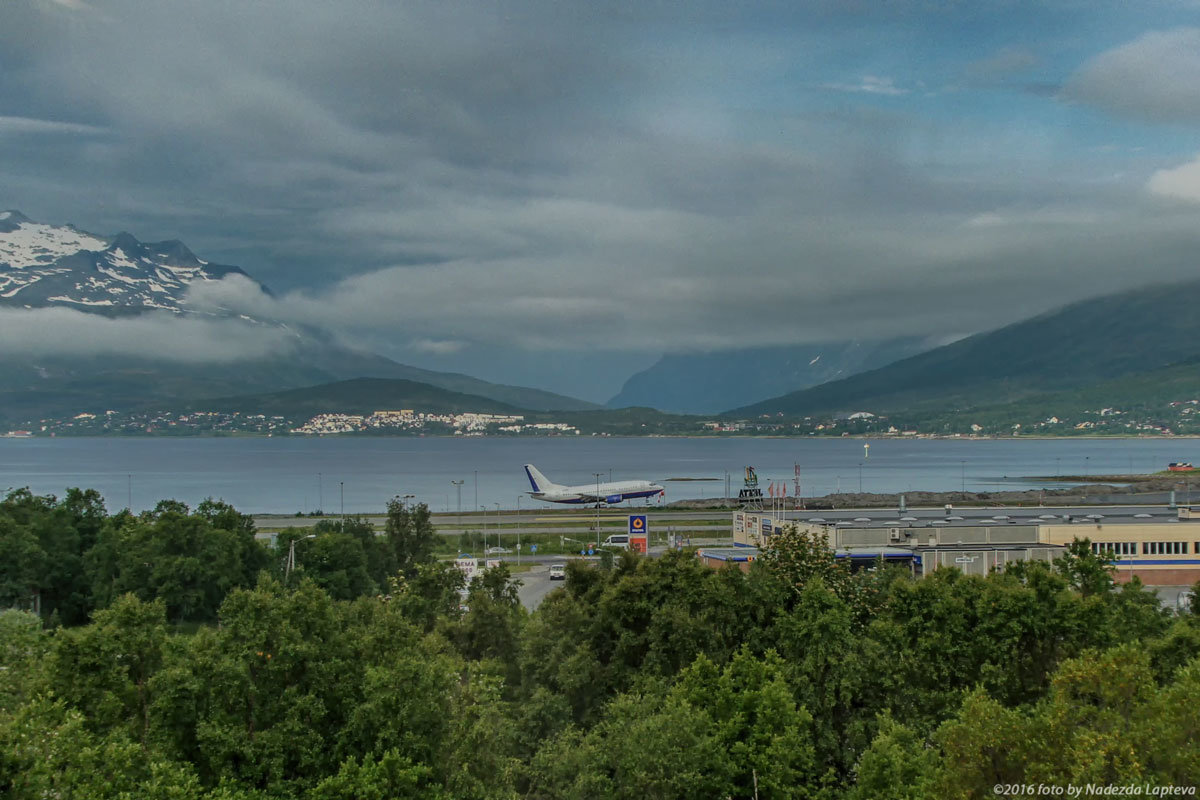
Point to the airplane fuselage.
(584, 494)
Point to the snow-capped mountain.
(45, 265)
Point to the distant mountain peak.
(46, 265)
(11, 218)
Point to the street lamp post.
(458, 492)
(499, 541)
(518, 530)
(291, 559)
(963, 467)
(342, 498)
(320, 494)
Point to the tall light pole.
(342, 495)
(129, 478)
(458, 492)
(291, 559)
(499, 542)
(518, 530)
(597, 474)
(963, 466)
(476, 488)
(484, 510)
(320, 494)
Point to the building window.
(1164, 548)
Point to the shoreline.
(855, 437)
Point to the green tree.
(491, 628)
(897, 766)
(1088, 573)
(48, 750)
(22, 565)
(410, 535)
(391, 777)
(480, 762)
(337, 563)
(104, 669)
(24, 647)
(767, 737)
(646, 746)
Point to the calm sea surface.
(285, 475)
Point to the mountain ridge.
(706, 383)
(1084, 342)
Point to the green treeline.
(175, 657)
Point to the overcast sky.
(556, 192)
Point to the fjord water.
(286, 475)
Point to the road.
(535, 585)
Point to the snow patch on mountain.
(46, 266)
(31, 244)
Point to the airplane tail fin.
(537, 480)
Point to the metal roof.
(995, 517)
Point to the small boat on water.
(1181, 466)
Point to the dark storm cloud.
(585, 175)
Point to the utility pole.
(291, 559)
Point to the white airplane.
(609, 493)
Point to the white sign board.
(468, 566)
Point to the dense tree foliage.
(364, 673)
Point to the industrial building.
(1161, 546)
